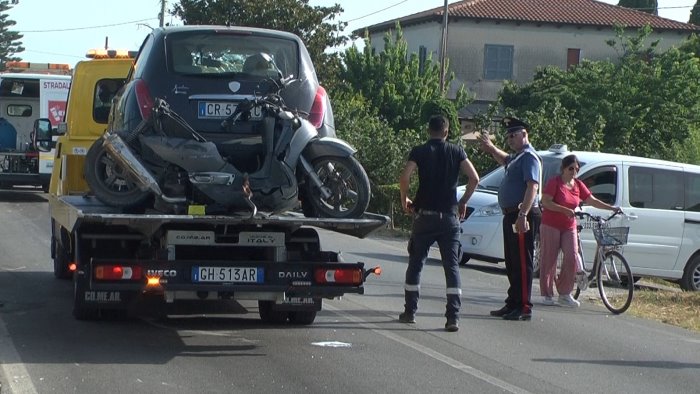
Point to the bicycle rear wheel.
(613, 277)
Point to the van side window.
(602, 182)
(692, 192)
(656, 188)
(19, 110)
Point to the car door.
(603, 179)
(691, 229)
(654, 202)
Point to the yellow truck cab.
(89, 99)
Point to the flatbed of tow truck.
(72, 211)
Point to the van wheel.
(691, 275)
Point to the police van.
(661, 200)
(31, 91)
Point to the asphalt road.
(356, 344)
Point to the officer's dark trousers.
(518, 255)
(428, 229)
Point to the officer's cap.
(513, 125)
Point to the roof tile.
(569, 12)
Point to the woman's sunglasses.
(573, 168)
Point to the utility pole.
(443, 48)
(161, 16)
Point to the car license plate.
(223, 109)
(228, 274)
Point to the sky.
(63, 34)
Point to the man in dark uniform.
(517, 197)
(436, 215)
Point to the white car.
(661, 201)
(481, 230)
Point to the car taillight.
(117, 272)
(318, 109)
(143, 99)
(343, 276)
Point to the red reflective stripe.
(523, 271)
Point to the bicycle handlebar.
(596, 218)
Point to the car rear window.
(213, 53)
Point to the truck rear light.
(143, 98)
(117, 272)
(318, 109)
(343, 276)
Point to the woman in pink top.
(561, 195)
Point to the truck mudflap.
(110, 284)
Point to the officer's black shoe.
(452, 325)
(517, 314)
(406, 317)
(501, 312)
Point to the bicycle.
(610, 271)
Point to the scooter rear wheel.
(108, 181)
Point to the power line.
(87, 27)
(376, 12)
(52, 53)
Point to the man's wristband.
(522, 214)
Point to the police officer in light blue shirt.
(517, 197)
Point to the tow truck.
(154, 262)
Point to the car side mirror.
(42, 135)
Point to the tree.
(695, 14)
(646, 105)
(315, 25)
(381, 107)
(9, 40)
(648, 6)
(398, 87)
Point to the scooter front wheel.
(109, 182)
(347, 184)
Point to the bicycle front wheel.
(615, 284)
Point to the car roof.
(594, 157)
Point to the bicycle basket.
(611, 236)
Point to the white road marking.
(332, 344)
(15, 374)
(469, 370)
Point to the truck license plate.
(228, 274)
(223, 109)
